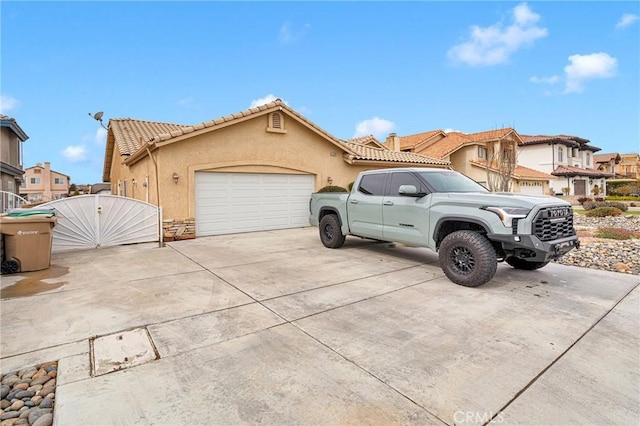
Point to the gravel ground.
(609, 255)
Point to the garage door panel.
(227, 203)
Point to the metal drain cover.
(121, 350)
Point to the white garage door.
(530, 188)
(228, 203)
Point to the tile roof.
(369, 153)
(567, 140)
(491, 135)
(577, 171)
(520, 172)
(605, 158)
(411, 141)
(450, 143)
(367, 140)
(130, 135)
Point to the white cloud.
(287, 34)
(450, 130)
(545, 80)
(375, 126)
(492, 45)
(588, 67)
(627, 19)
(75, 153)
(263, 101)
(7, 103)
(101, 136)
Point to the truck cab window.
(402, 178)
(372, 184)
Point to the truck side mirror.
(408, 190)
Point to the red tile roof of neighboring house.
(450, 143)
(367, 140)
(577, 171)
(567, 140)
(605, 158)
(491, 135)
(520, 172)
(456, 140)
(411, 141)
(369, 153)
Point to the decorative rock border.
(28, 395)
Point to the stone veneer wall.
(175, 230)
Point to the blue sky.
(353, 68)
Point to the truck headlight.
(507, 214)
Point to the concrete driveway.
(273, 328)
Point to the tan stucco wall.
(9, 148)
(242, 147)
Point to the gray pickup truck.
(471, 228)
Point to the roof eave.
(15, 128)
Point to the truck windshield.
(450, 181)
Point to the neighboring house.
(570, 159)
(490, 157)
(43, 184)
(101, 188)
(621, 166)
(11, 138)
(248, 171)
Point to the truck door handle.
(353, 201)
(388, 203)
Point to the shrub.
(332, 188)
(598, 199)
(616, 204)
(616, 233)
(582, 200)
(590, 205)
(350, 186)
(633, 205)
(603, 211)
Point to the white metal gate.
(92, 221)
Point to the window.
(482, 153)
(450, 181)
(588, 158)
(372, 184)
(35, 181)
(59, 181)
(402, 178)
(37, 171)
(560, 154)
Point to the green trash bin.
(27, 240)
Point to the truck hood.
(498, 199)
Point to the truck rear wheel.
(330, 232)
(468, 258)
(524, 265)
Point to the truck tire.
(518, 263)
(468, 258)
(330, 232)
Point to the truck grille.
(553, 223)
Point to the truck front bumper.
(532, 249)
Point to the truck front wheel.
(468, 258)
(330, 232)
(524, 265)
